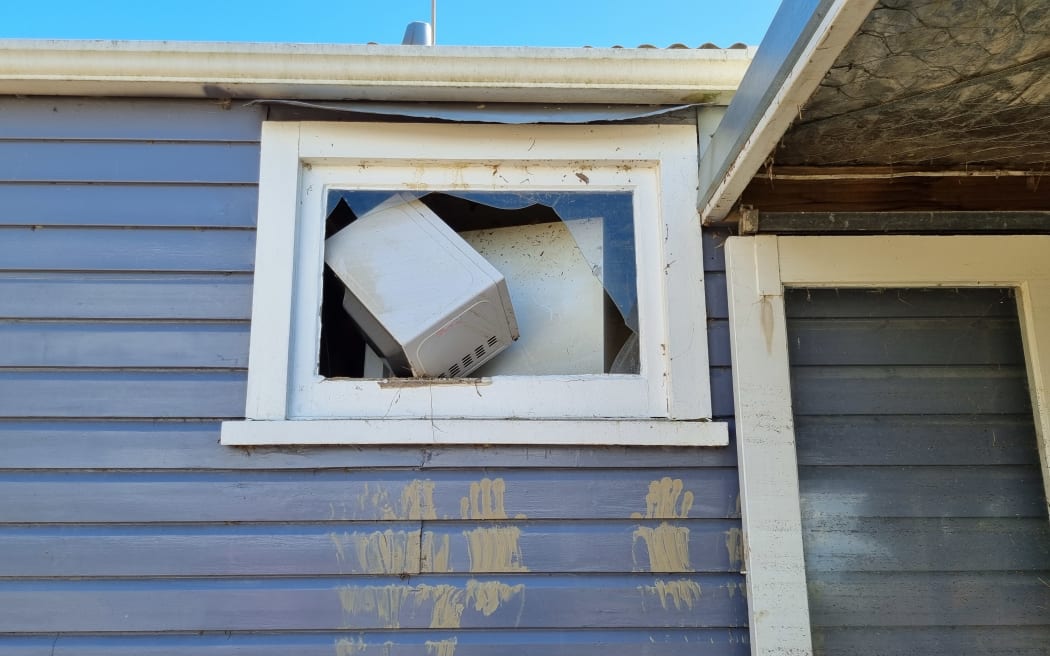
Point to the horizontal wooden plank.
(363, 495)
(714, 249)
(138, 119)
(567, 642)
(892, 544)
(932, 641)
(195, 445)
(1000, 491)
(909, 390)
(930, 599)
(721, 391)
(124, 344)
(371, 548)
(121, 394)
(125, 296)
(511, 601)
(895, 222)
(115, 249)
(893, 303)
(718, 343)
(916, 440)
(184, 206)
(715, 295)
(949, 341)
(116, 161)
(914, 193)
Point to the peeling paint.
(434, 553)
(667, 545)
(441, 647)
(682, 593)
(495, 549)
(488, 595)
(735, 547)
(485, 500)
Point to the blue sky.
(460, 22)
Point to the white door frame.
(759, 269)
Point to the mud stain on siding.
(682, 594)
(415, 502)
(441, 647)
(667, 545)
(485, 500)
(493, 549)
(347, 647)
(380, 552)
(488, 596)
(448, 604)
(735, 547)
(382, 602)
(389, 552)
(435, 552)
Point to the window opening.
(568, 259)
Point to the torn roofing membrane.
(600, 223)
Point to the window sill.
(526, 432)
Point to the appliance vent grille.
(479, 353)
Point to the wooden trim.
(1033, 301)
(753, 221)
(601, 432)
(275, 238)
(656, 162)
(908, 193)
(778, 611)
(758, 268)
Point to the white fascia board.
(804, 40)
(370, 72)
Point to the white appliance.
(425, 300)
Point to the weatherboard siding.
(924, 523)
(126, 257)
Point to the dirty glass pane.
(568, 259)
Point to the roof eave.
(802, 43)
(370, 72)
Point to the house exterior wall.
(126, 265)
(923, 517)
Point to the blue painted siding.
(924, 521)
(126, 255)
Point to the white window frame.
(759, 269)
(288, 402)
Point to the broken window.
(593, 231)
(402, 296)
